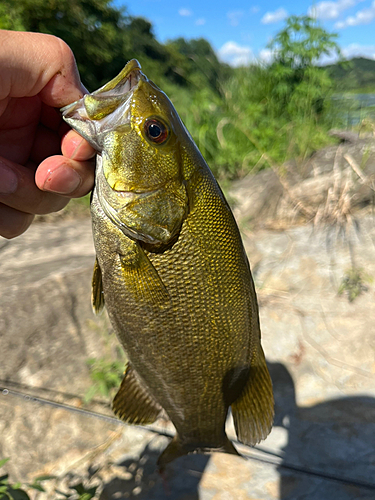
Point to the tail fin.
(176, 448)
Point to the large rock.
(47, 333)
(334, 182)
(320, 349)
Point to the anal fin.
(253, 410)
(97, 295)
(132, 403)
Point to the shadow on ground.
(140, 478)
(336, 437)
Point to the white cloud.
(331, 10)
(242, 55)
(364, 16)
(235, 55)
(274, 17)
(235, 17)
(348, 52)
(266, 56)
(356, 50)
(185, 12)
(200, 22)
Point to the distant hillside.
(356, 74)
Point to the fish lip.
(122, 84)
(132, 68)
(107, 108)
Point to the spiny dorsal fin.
(133, 403)
(97, 295)
(253, 410)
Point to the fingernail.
(73, 145)
(63, 180)
(8, 180)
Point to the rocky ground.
(320, 347)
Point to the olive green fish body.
(175, 277)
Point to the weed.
(15, 491)
(106, 375)
(353, 283)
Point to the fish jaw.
(107, 108)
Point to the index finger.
(41, 64)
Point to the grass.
(353, 283)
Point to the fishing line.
(248, 452)
(74, 409)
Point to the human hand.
(42, 162)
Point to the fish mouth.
(106, 100)
(124, 82)
(107, 108)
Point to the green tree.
(104, 37)
(281, 110)
(10, 18)
(199, 64)
(300, 86)
(302, 43)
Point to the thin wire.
(163, 432)
(44, 401)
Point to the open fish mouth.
(107, 108)
(124, 82)
(121, 85)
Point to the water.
(353, 108)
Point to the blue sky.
(239, 31)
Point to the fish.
(172, 272)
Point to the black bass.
(172, 272)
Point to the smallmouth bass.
(172, 271)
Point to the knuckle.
(65, 51)
(62, 48)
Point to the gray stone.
(319, 346)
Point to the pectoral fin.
(142, 279)
(133, 403)
(253, 410)
(97, 295)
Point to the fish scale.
(172, 272)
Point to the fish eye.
(156, 131)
